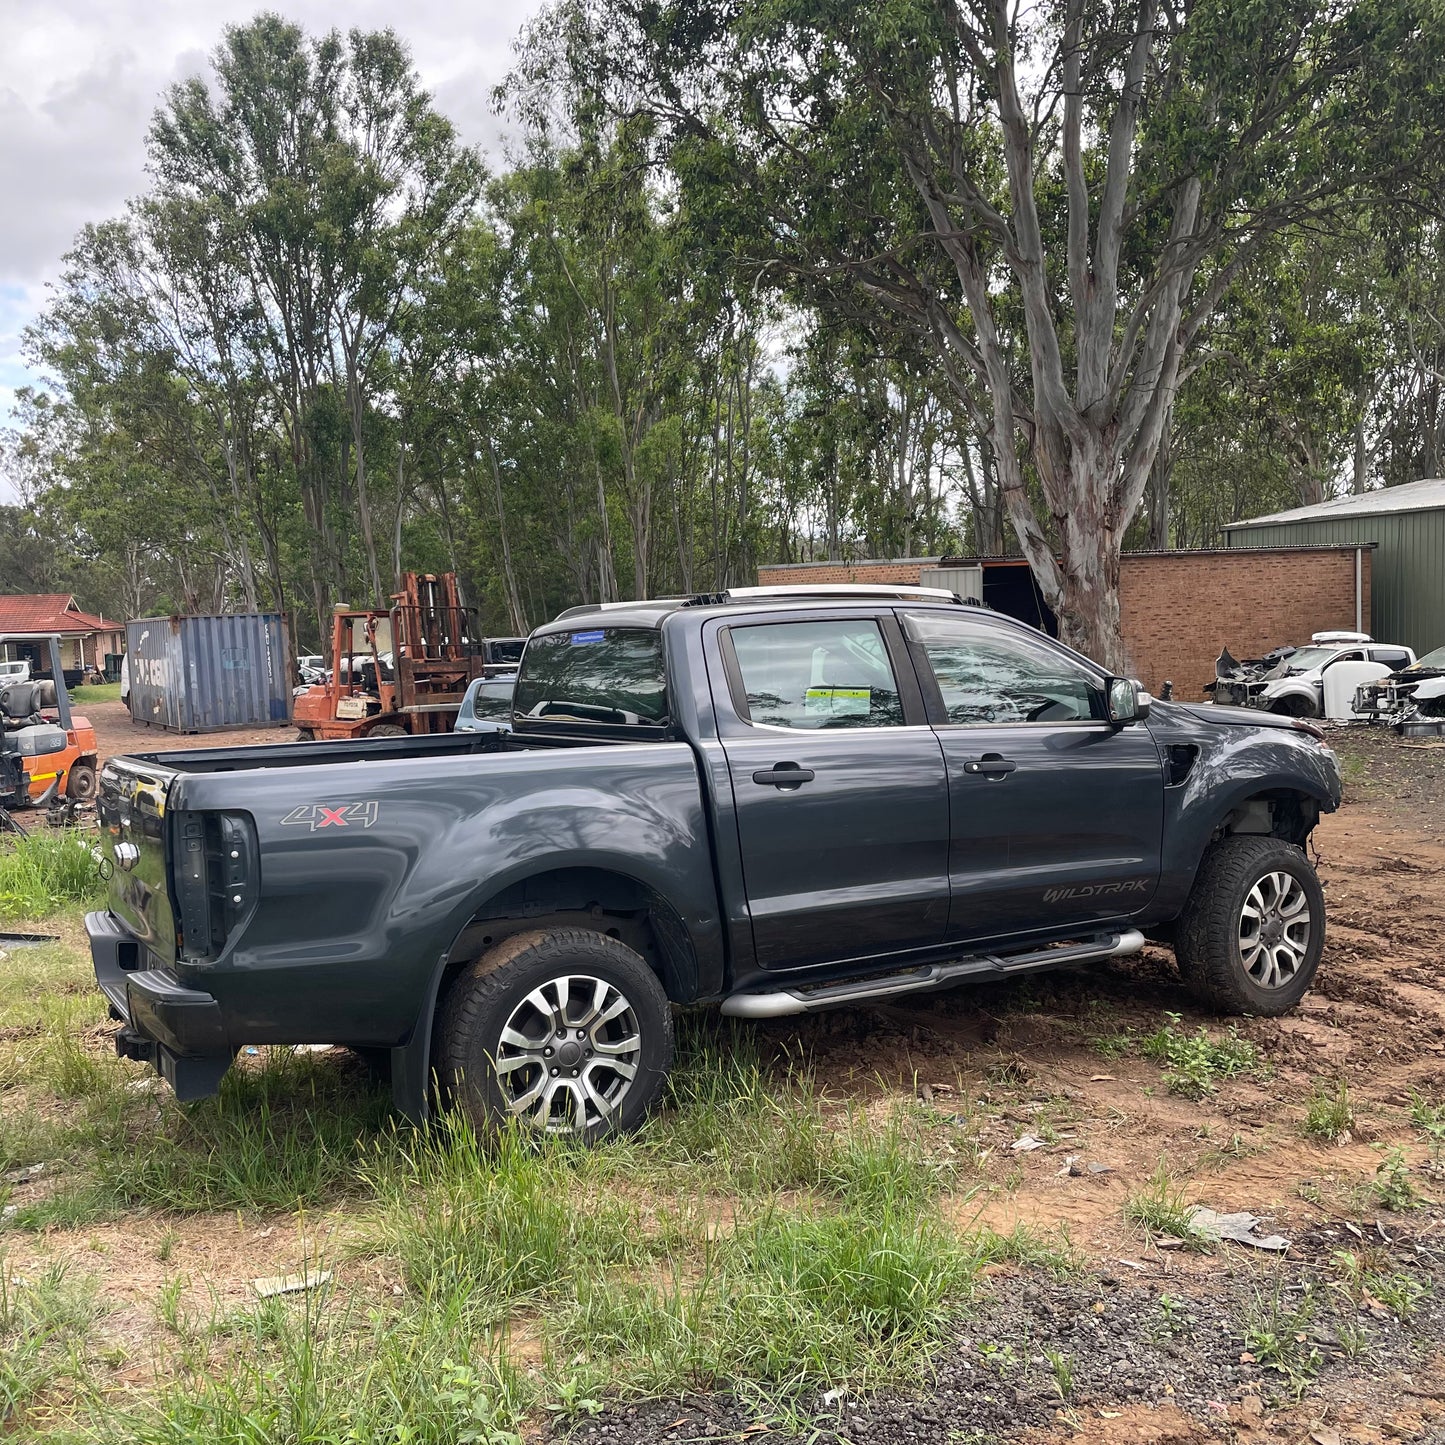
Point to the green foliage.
(45, 1315)
(1160, 1208)
(1194, 1062)
(1392, 1185)
(1277, 1334)
(1330, 1114)
(43, 871)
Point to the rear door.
(839, 788)
(1057, 814)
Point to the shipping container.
(206, 674)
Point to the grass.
(1277, 1334)
(101, 692)
(1194, 1063)
(44, 871)
(1330, 1114)
(1160, 1208)
(1366, 1279)
(43, 1323)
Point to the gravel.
(1127, 1339)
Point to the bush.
(45, 870)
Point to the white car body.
(1299, 690)
(14, 672)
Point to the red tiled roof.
(50, 612)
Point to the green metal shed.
(1407, 570)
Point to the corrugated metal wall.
(1407, 575)
(203, 674)
(967, 580)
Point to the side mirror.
(1128, 702)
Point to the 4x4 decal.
(316, 816)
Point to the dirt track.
(1161, 1342)
(117, 733)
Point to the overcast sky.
(79, 80)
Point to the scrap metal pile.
(1412, 700)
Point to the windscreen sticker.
(316, 816)
(579, 638)
(838, 701)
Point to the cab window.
(812, 675)
(613, 676)
(987, 677)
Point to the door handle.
(990, 765)
(784, 775)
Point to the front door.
(839, 787)
(1057, 813)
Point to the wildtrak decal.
(1094, 890)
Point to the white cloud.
(80, 79)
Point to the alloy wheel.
(568, 1054)
(1274, 929)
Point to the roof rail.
(824, 590)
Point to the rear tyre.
(305, 735)
(80, 783)
(387, 730)
(566, 1031)
(1250, 937)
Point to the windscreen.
(608, 675)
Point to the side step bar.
(775, 1003)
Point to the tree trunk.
(1087, 607)
(509, 577)
(1159, 493)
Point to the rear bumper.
(178, 1029)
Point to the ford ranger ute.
(771, 803)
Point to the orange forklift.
(45, 750)
(404, 670)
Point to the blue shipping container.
(203, 674)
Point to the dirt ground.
(116, 733)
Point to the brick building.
(85, 640)
(1179, 609)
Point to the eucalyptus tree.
(1054, 196)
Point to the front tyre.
(565, 1030)
(1250, 936)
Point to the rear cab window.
(609, 679)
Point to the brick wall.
(819, 572)
(1180, 608)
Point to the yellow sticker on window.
(838, 701)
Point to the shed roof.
(1423, 496)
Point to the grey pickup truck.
(770, 801)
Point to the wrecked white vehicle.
(1412, 699)
(1294, 682)
(1299, 690)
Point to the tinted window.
(490, 701)
(1393, 657)
(989, 677)
(818, 675)
(611, 675)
